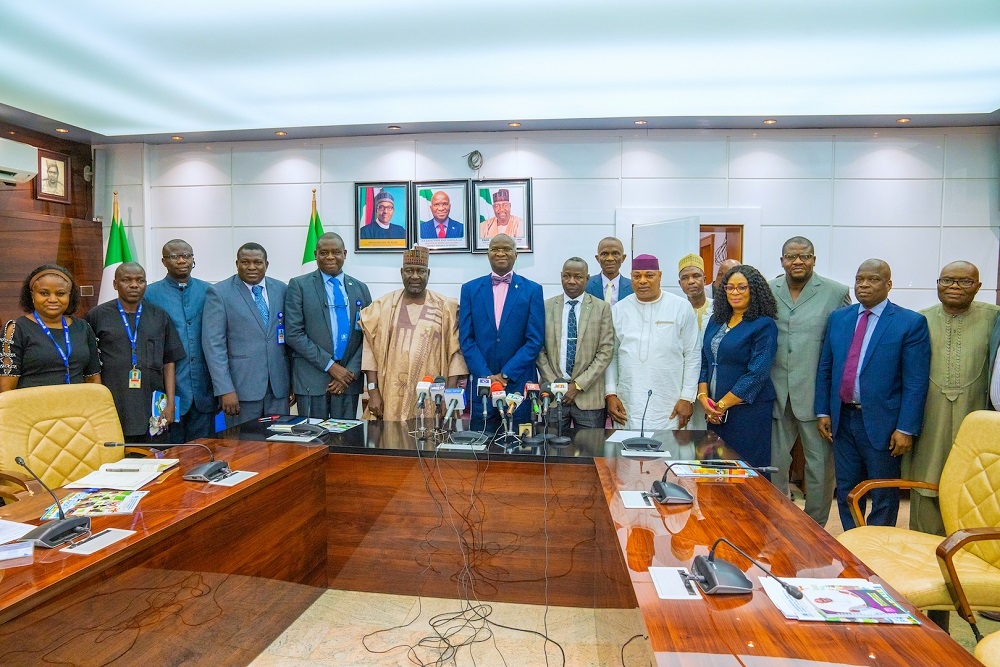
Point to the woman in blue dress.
(738, 349)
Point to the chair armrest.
(11, 485)
(862, 489)
(16, 478)
(946, 559)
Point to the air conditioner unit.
(18, 162)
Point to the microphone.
(642, 442)
(669, 493)
(498, 396)
(57, 531)
(559, 387)
(720, 577)
(514, 400)
(546, 397)
(437, 391)
(483, 389)
(203, 472)
(531, 392)
(423, 389)
(455, 398)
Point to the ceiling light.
(514, 124)
(770, 121)
(281, 133)
(395, 127)
(640, 122)
(902, 120)
(176, 138)
(11, 132)
(61, 130)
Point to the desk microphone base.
(639, 444)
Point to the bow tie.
(498, 279)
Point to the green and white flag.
(312, 236)
(484, 194)
(117, 254)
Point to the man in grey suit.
(322, 316)
(805, 301)
(578, 349)
(243, 335)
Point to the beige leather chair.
(988, 650)
(60, 431)
(962, 571)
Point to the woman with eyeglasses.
(47, 346)
(738, 349)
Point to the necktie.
(258, 298)
(571, 337)
(609, 292)
(441, 229)
(501, 279)
(853, 360)
(343, 320)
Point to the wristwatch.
(577, 385)
(503, 376)
(372, 386)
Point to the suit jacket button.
(498, 339)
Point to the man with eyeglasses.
(501, 328)
(610, 284)
(805, 301)
(183, 297)
(871, 384)
(960, 329)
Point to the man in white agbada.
(658, 347)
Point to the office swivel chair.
(59, 431)
(962, 571)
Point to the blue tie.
(571, 337)
(343, 320)
(258, 298)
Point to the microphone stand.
(560, 440)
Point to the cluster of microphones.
(449, 399)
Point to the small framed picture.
(53, 180)
(502, 207)
(441, 215)
(382, 213)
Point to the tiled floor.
(349, 629)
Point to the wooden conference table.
(402, 517)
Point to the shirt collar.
(509, 273)
(173, 283)
(876, 309)
(615, 281)
(250, 287)
(567, 298)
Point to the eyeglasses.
(805, 257)
(505, 250)
(961, 282)
(176, 256)
(739, 289)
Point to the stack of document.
(124, 475)
(285, 424)
(837, 601)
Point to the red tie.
(440, 231)
(853, 360)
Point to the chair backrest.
(60, 431)
(970, 481)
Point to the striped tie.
(258, 298)
(571, 337)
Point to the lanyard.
(131, 336)
(69, 346)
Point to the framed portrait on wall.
(381, 216)
(53, 180)
(441, 215)
(502, 207)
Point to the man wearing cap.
(409, 333)
(501, 326)
(805, 301)
(323, 328)
(657, 349)
(691, 279)
(610, 284)
(441, 226)
(502, 221)
(381, 227)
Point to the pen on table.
(269, 418)
(123, 470)
(92, 537)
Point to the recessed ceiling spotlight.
(177, 138)
(640, 122)
(395, 127)
(11, 132)
(61, 130)
(770, 121)
(281, 133)
(514, 124)
(902, 120)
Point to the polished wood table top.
(725, 630)
(172, 506)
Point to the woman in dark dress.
(738, 349)
(47, 346)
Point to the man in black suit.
(323, 330)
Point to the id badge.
(281, 334)
(135, 379)
(357, 316)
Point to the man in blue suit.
(501, 328)
(243, 335)
(871, 385)
(441, 226)
(610, 284)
